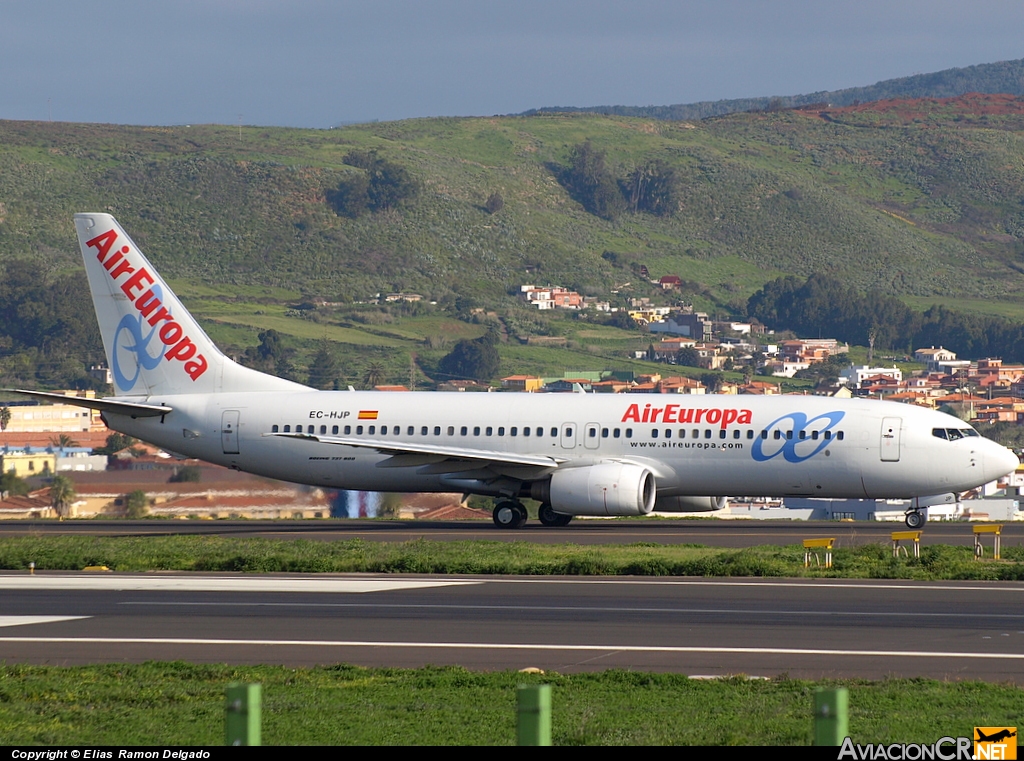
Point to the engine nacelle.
(610, 488)
(690, 504)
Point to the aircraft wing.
(133, 409)
(482, 456)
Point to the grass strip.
(206, 553)
(183, 704)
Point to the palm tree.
(62, 494)
(5, 417)
(63, 441)
(375, 374)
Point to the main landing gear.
(548, 517)
(512, 514)
(915, 519)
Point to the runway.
(714, 533)
(702, 627)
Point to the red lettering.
(171, 333)
(196, 368)
(182, 350)
(728, 416)
(102, 243)
(714, 416)
(118, 256)
(686, 416)
(135, 282)
(654, 414)
(670, 411)
(122, 268)
(160, 314)
(700, 414)
(147, 303)
(744, 418)
(647, 414)
(633, 413)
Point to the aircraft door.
(592, 436)
(568, 435)
(891, 439)
(229, 431)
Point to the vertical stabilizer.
(153, 345)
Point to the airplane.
(577, 454)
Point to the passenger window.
(334, 430)
(828, 435)
(437, 430)
(803, 435)
(707, 433)
(273, 429)
(750, 433)
(568, 432)
(540, 431)
(489, 431)
(592, 433)
(615, 433)
(323, 429)
(451, 430)
(721, 434)
(789, 435)
(526, 430)
(348, 430)
(463, 430)
(371, 429)
(839, 435)
(476, 430)
(696, 433)
(501, 430)
(554, 433)
(629, 433)
(654, 433)
(736, 433)
(604, 433)
(668, 433)
(359, 430)
(383, 430)
(682, 433)
(814, 435)
(513, 431)
(287, 429)
(411, 430)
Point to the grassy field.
(179, 704)
(200, 553)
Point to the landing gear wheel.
(509, 515)
(549, 517)
(915, 519)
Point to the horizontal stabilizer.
(133, 409)
(394, 447)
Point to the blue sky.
(317, 63)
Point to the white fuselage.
(725, 445)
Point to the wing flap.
(404, 447)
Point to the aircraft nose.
(999, 461)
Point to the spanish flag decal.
(367, 414)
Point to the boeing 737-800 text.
(578, 454)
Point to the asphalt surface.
(715, 533)
(702, 627)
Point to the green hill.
(919, 199)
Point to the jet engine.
(611, 488)
(689, 504)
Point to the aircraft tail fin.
(153, 345)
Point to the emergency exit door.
(229, 431)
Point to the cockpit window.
(952, 434)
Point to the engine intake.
(611, 488)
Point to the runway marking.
(26, 620)
(510, 646)
(254, 583)
(572, 608)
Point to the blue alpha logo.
(795, 437)
(133, 351)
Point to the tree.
(62, 494)
(654, 188)
(186, 474)
(688, 357)
(473, 360)
(323, 370)
(384, 185)
(63, 441)
(13, 485)
(590, 181)
(115, 443)
(375, 374)
(495, 203)
(136, 504)
(5, 417)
